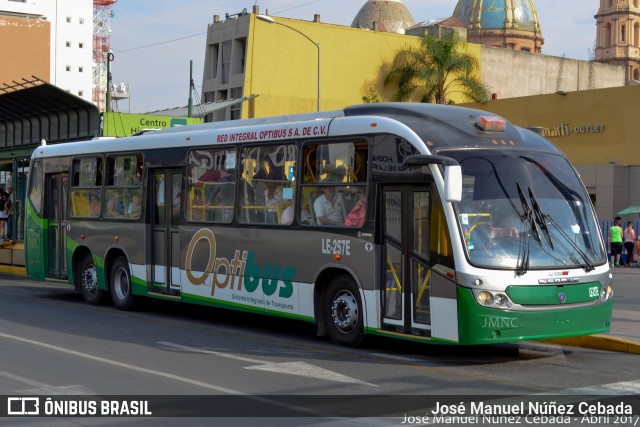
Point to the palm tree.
(435, 70)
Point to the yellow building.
(283, 61)
(596, 129)
(278, 62)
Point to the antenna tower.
(102, 14)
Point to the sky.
(154, 40)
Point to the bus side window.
(267, 184)
(86, 187)
(212, 185)
(123, 185)
(35, 192)
(334, 183)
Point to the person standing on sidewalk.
(629, 242)
(615, 242)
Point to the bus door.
(405, 263)
(55, 211)
(165, 217)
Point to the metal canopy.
(35, 110)
(202, 110)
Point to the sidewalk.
(625, 327)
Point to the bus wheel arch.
(340, 308)
(86, 278)
(119, 279)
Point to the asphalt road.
(52, 343)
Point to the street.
(52, 343)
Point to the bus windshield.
(525, 210)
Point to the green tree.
(436, 70)
(371, 97)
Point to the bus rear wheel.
(89, 281)
(121, 285)
(342, 309)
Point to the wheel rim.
(90, 279)
(121, 284)
(344, 311)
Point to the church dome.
(514, 20)
(384, 15)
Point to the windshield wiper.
(588, 265)
(523, 254)
(540, 218)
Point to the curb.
(601, 342)
(16, 271)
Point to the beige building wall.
(511, 73)
(24, 49)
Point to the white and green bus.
(424, 222)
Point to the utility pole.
(110, 58)
(190, 107)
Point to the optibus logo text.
(238, 271)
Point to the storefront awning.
(35, 110)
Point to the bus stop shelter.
(32, 111)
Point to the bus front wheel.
(343, 315)
(121, 286)
(89, 282)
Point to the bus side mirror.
(452, 173)
(453, 183)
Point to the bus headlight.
(484, 298)
(606, 294)
(501, 300)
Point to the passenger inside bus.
(135, 209)
(272, 201)
(329, 207)
(355, 217)
(113, 210)
(94, 205)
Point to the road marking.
(621, 388)
(292, 368)
(44, 388)
(123, 365)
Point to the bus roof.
(448, 126)
(438, 126)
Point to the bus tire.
(89, 281)
(343, 311)
(120, 285)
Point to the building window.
(81, 45)
(80, 69)
(68, 19)
(226, 61)
(68, 44)
(239, 55)
(236, 110)
(81, 21)
(67, 68)
(80, 93)
(213, 60)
